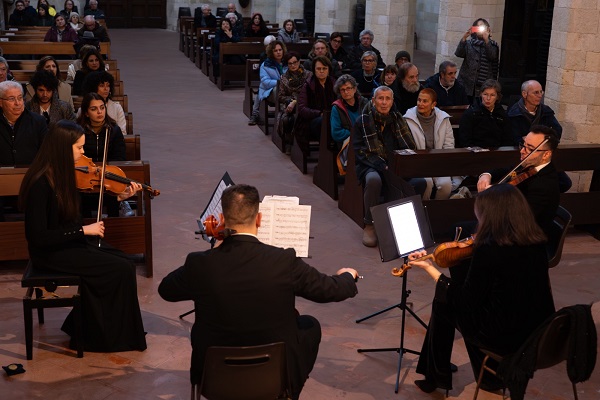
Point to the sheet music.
(214, 205)
(285, 223)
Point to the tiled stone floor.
(192, 133)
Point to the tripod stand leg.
(186, 314)
(399, 305)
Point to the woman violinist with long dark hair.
(58, 242)
(497, 299)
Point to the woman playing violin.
(58, 242)
(502, 296)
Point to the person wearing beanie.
(402, 57)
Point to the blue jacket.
(522, 122)
(270, 72)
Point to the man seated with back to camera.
(377, 132)
(541, 189)
(254, 286)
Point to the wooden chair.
(244, 373)
(34, 280)
(456, 113)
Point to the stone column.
(289, 10)
(393, 23)
(573, 76)
(456, 16)
(334, 15)
(267, 8)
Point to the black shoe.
(453, 368)
(253, 120)
(429, 386)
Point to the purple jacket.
(69, 35)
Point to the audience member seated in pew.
(485, 123)
(92, 61)
(21, 16)
(97, 124)
(61, 31)
(408, 87)
(367, 78)
(94, 11)
(315, 97)
(336, 49)
(388, 76)
(204, 18)
(225, 35)
(44, 102)
(320, 49)
(76, 65)
(231, 9)
(258, 27)
(288, 34)
(344, 113)
(57, 241)
(366, 39)
(51, 9)
(290, 84)
(43, 17)
(48, 63)
(270, 72)
(69, 8)
(5, 74)
(21, 131)
(103, 83)
(236, 25)
(379, 131)
(91, 25)
(449, 91)
(431, 129)
(530, 110)
(74, 21)
(402, 57)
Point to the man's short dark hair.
(44, 78)
(446, 64)
(549, 133)
(240, 204)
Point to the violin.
(445, 255)
(520, 177)
(214, 229)
(88, 176)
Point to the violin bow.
(101, 192)
(507, 176)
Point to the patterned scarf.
(378, 123)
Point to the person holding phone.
(481, 55)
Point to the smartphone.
(479, 28)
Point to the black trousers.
(309, 338)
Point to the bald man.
(91, 25)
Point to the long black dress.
(504, 296)
(112, 320)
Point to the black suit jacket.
(244, 294)
(542, 193)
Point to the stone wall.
(426, 25)
(393, 23)
(334, 15)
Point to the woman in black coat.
(485, 123)
(497, 299)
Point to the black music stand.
(402, 228)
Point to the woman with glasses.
(485, 123)
(338, 52)
(367, 78)
(69, 8)
(496, 299)
(316, 96)
(290, 84)
(58, 242)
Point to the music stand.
(402, 228)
